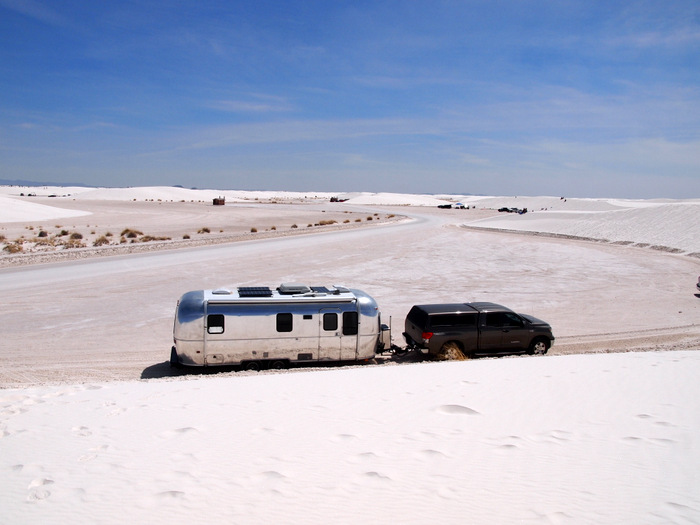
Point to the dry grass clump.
(294, 226)
(253, 230)
(204, 230)
(151, 238)
(131, 234)
(14, 247)
(101, 241)
(326, 222)
(72, 243)
(186, 236)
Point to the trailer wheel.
(279, 365)
(173, 358)
(252, 365)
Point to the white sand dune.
(604, 438)
(581, 439)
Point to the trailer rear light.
(426, 336)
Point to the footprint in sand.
(37, 489)
(81, 431)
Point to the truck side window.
(330, 322)
(284, 322)
(215, 324)
(510, 319)
(350, 323)
(494, 319)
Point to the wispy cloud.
(37, 11)
(256, 103)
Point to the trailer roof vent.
(221, 291)
(254, 291)
(293, 288)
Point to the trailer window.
(330, 322)
(284, 322)
(349, 323)
(215, 324)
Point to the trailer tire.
(252, 365)
(173, 358)
(280, 364)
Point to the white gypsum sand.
(604, 438)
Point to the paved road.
(111, 318)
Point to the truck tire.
(538, 347)
(252, 365)
(451, 351)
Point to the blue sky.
(577, 98)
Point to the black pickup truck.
(475, 328)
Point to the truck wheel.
(252, 365)
(538, 347)
(451, 351)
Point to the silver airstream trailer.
(259, 327)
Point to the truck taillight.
(426, 335)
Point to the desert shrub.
(14, 247)
(294, 226)
(186, 236)
(63, 233)
(369, 218)
(253, 230)
(149, 238)
(274, 228)
(358, 220)
(76, 236)
(108, 234)
(43, 241)
(204, 230)
(131, 234)
(391, 216)
(2, 238)
(101, 241)
(346, 221)
(327, 222)
(42, 233)
(73, 243)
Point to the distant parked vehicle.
(475, 328)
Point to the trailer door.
(330, 335)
